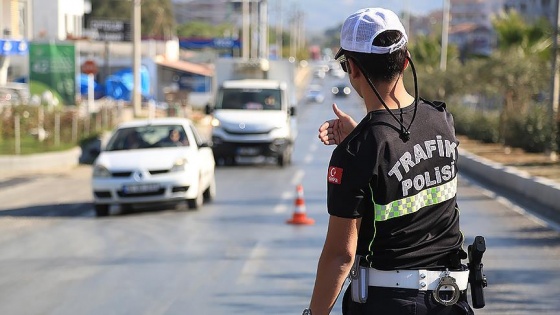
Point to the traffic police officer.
(392, 183)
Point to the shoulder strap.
(436, 104)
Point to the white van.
(253, 111)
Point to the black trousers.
(387, 301)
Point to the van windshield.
(251, 99)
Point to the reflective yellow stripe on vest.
(414, 203)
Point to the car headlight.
(179, 165)
(215, 122)
(101, 171)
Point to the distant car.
(315, 94)
(153, 161)
(319, 73)
(338, 73)
(341, 90)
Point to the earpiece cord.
(378, 95)
(405, 134)
(416, 97)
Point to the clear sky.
(323, 14)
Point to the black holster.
(477, 278)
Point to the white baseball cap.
(361, 28)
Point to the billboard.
(52, 72)
(111, 30)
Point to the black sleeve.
(351, 169)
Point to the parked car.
(315, 94)
(341, 90)
(153, 161)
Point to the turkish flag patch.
(335, 175)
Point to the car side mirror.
(292, 111)
(94, 152)
(208, 109)
(205, 144)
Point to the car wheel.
(197, 202)
(219, 160)
(101, 210)
(230, 161)
(210, 192)
(285, 158)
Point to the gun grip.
(480, 244)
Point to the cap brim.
(339, 53)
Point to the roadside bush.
(476, 124)
(531, 131)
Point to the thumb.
(339, 113)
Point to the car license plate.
(248, 151)
(142, 188)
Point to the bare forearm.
(331, 274)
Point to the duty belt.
(423, 280)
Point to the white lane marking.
(249, 271)
(297, 178)
(281, 207)
(309, 157)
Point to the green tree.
(519, 69)
(514, 32)
(204, 29)
(434, 83)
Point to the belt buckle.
(447, 280)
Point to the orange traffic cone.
(299, 216)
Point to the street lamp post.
(263, 29)
(554, 91)
(279, 29)
(254, 16)
(136, 57)
(246, 22)
(444, 36)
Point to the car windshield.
(144, 137)
(255, 99)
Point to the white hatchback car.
(155, 160)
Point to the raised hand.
(335, 130)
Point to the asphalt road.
(236, 255)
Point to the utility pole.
(263, 26)
(246, 21)
(301, 30)
(554, 91)
(137, 54)
(444, 36)
(279, 30)
(406, 17)
(293, 33)
(255, 29)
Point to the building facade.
(532, 10)
(58, 19)
(470, 25)
(16, 28)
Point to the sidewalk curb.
(14, 165)
(538, 190)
